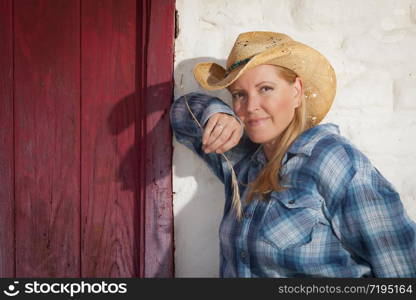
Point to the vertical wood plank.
(158, 256)
(6, 141)
(47, 139)
(143, 13)
(110, 212)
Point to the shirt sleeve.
(373, 223)
(188, 133)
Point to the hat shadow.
(197, 222)
(185, 81)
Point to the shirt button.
(243, 254)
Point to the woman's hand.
(222, 132)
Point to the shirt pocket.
(290, 219)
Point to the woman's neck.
(269, 148)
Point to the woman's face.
(265, 102)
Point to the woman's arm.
(374, 223)
(366, 212)
(187, 131)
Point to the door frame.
(156, 48)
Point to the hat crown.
(249, 44)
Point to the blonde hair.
(268, 179)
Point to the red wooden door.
(85, 157)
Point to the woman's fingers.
(214, 128)
(231, 142)
(218, 131)
(208, 131)
(220, 140)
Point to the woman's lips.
(257, 122)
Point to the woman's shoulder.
(330, 159)
(324, 144)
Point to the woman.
(308, 203)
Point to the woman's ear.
(297, 91)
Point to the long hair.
(268, 179)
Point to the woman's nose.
(253, 103)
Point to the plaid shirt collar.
(304, 144)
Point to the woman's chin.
(258, 139)
(261, 138)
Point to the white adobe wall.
(371, 45)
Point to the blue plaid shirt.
(337, 217)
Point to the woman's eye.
(265, 88)
(237, 96)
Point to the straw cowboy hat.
(260, 47)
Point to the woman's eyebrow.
(270, 82)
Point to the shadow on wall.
(197, 221)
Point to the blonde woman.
(301, 200)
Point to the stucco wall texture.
(371, 45)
